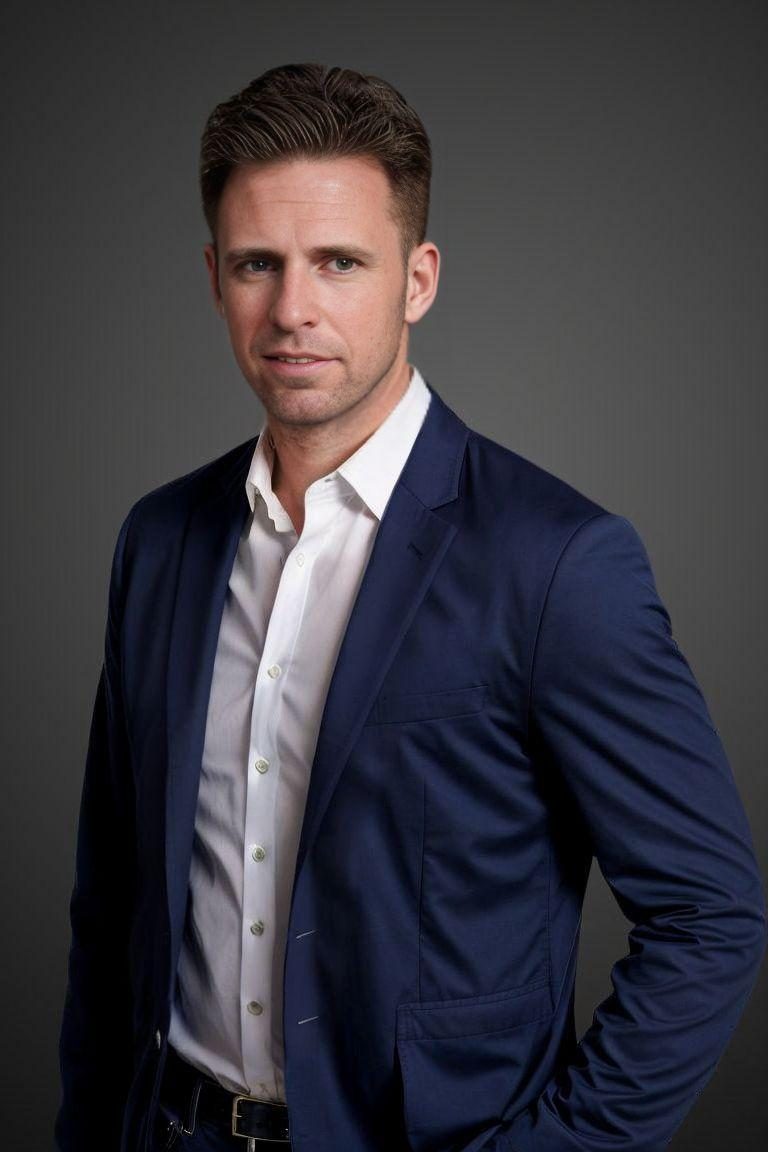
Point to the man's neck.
(304, 454)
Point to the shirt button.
(257, 927)
(274, 671)
(258, 852)
(261, 764)
(300, 559)
(255, 1008)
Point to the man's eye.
(256, 265)
(343, 263)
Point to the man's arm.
(95, 1049)
(617, 713)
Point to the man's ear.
(423, 275)
(212, 265)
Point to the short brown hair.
(308, 110)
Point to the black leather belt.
(196, 1097)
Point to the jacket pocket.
(405, 708)
(463, 1062)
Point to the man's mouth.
(295, 359)
(289, 365)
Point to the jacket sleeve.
(616, 711)
(95, 1047)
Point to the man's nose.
(294, 302)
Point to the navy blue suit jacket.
(508, 702)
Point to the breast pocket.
(403, 708)
(464, 1061)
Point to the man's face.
(309, 264)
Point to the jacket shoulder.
(177, 496)
(159, 517)
(520, 491)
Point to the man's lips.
(296, 357)
(295, 364)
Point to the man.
(375, 691)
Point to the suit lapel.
(210, 544)
(409, 547)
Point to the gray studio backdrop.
(600, 195)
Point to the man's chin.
(304, 408)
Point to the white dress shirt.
(287, 606)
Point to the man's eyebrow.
(327, 251)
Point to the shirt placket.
(260, 848)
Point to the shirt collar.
(372, 471)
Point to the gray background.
(600, 198)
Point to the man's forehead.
(339, 182)
(313, 220)
(325, 198)
(301, 207)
